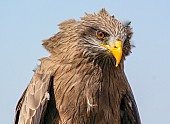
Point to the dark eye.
(100, 34)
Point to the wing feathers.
(33, 102)
(129, 111)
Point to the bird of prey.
(83, 80)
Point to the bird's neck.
(109, 68)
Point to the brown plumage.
(79, 82)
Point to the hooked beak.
(116, 50)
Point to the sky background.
(25, 23)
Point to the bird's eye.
(100, 34)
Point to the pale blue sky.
(24, 24)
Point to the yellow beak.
(116, 50)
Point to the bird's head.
(98, 37)
(102, 34)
